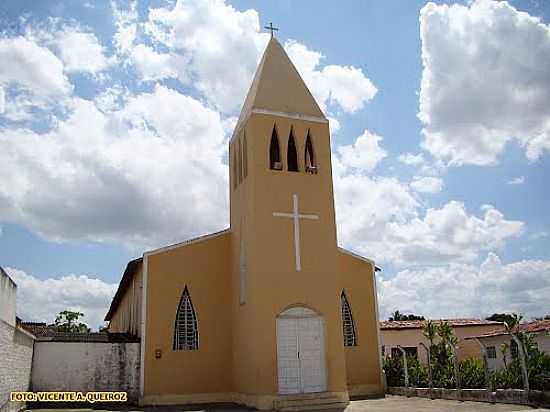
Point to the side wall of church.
(127, 318)
(363, 360)
(175, 376)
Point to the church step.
(314, 407)
(308, 403)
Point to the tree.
(504, 349)
(400, 316)
(67, 321)
(501, 317)
(512, 327)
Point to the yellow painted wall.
(363, 360)
(203, 268)
(273, 283)
(127, 317)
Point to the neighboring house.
(408, 334)
(493, 342)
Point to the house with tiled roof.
(408, 335)
(500, 347)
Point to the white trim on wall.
(379, 349)
(188, 242)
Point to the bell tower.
(283, 228)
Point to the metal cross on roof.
(271, 28)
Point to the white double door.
(300, 352)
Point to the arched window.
(240, 165)
(275, 152)
(234, 160)
(245, 157)
(350, 339)
(309, 158)
(291, 155)
(186, 332)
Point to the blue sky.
(439, 163)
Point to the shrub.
(472, 375)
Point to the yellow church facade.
(270, 312)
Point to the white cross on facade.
(296, 216)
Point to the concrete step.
(315, 407)
(308, 402)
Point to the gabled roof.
(135, 264)
(418, 324)
(528, 327)
(131, 268)
(278, 87)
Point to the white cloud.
(346, 86)
(464, 290)
(382, 218)
(147, 174)
(81, 52)
(212, 37)
(126, 23)
(154, 66)
(40, 300)
(517, 180)
(31, 67)
(196, 38)
(427, 184)
(411, 159)
(2, 100)
(365, 153)
(484, 81)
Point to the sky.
(115, 118)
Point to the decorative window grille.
(491, 352)
(350, 339)
(186, 332)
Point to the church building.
(270, 312)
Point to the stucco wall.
(363, 360)
(86, 366)
(204, 268)
(16, 348)
(7, 298)
(542, 340)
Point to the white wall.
(7, 298)
(16, 347)
(542, 339)
(86, 366)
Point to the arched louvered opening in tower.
(309, 156)
(245, 157)
(275, 151)
(186, 332)
(350, 338)
(291, 155)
